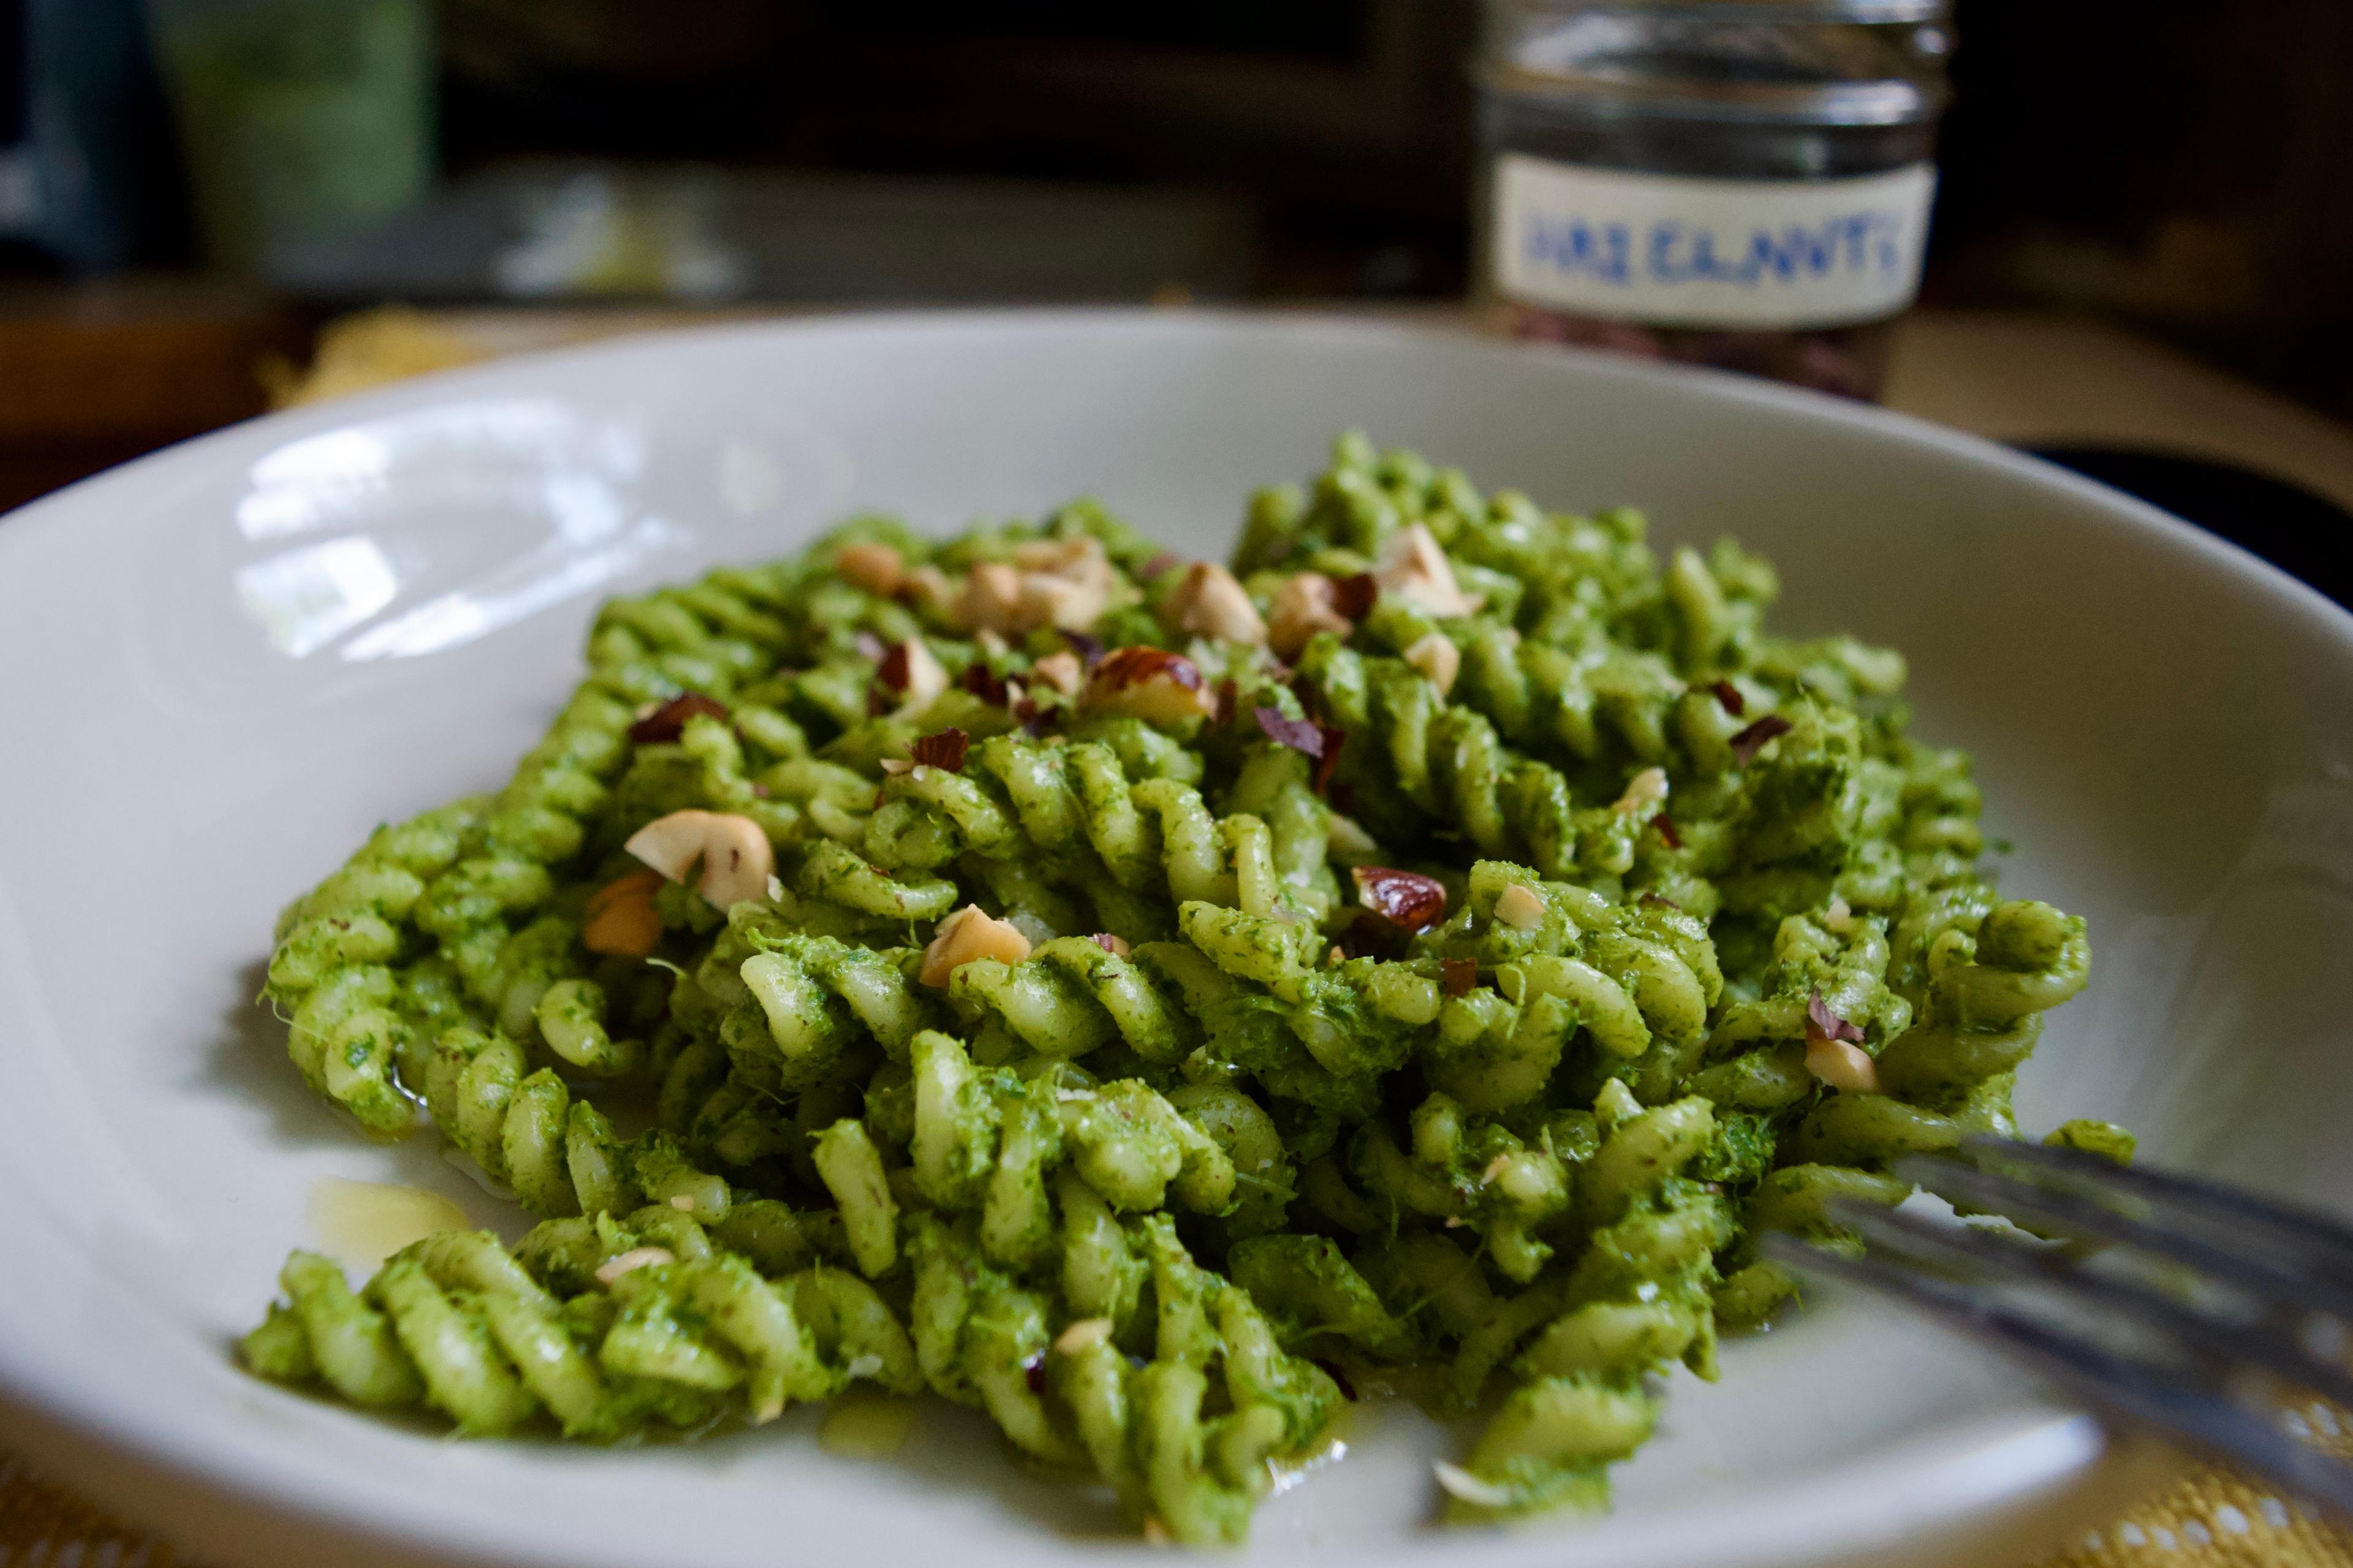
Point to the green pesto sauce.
(1469, 931)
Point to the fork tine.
(2094, 1375)
(2221, 1342)
(1961, 1182)
(2307, 1231)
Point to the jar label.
(1675, 251)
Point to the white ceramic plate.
(224, 664)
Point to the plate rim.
(2051, 1449)
(1192, 320)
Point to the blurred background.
(191, 190)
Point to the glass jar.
(1735, 183)
(298, 118)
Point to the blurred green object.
(298, 118)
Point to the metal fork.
(2214, 1316)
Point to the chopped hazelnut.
(945, 750)
(658, 722)
(1840, 1064)
(916, 672)
(877, 568)
(966, 935)
(982, 681)
(621, 919)
(1083, 1335)
(1834, 1051)
(1070, 579)
(1438, 659)
(928, 588)
(1413, 567)
(1061, 582)
(1050, 601)
(1116, 945)
(1755, 737)
(1520, 907)
(1306, 603)
(1405, 899)
(636, 1257)
(1150, 684)
(1062, 671)
(1645, 793)
(991, 599)
(1079, 558)
(1459, 1482)
(1355, 596)
(1208, 603)
(732, 852)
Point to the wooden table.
(2041, 379)
(96, 374)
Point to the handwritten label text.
(1709, 252)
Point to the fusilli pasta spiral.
(973, 924)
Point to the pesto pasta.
(1125, 994)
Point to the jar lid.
(1840, 62)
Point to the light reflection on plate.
(337, 477)
(306, 598)
(577, 478)
(554, 571)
